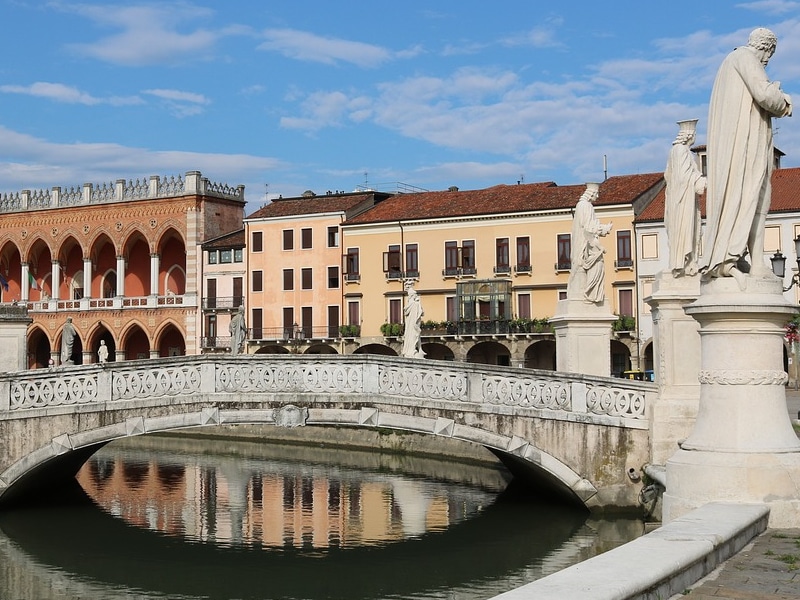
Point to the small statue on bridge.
(412, 340)
(238, 329)
(682, 209)
(587, 273)
(102, 352)
(67, 342)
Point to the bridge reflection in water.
(221, 519)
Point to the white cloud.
(59, 92)
(149, 33)
(302, 45)
(181, 104)
(775, 7)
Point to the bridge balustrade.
(410, 380)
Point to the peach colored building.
(224, 273)
(486, 263)
(294, 258)
(121, 260)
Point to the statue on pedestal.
(412, 341)
(67, 342)
(682, 210)
(740, 159)
(238, 330)
(587, 271)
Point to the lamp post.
(778, 261)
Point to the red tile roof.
(785, 197)
(235, 239)
(504, 199)
(314, 205)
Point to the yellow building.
(490, 266)
(294, 258)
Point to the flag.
(3, 282)
(33, 283)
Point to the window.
(333, 237)
(211, 293)
(353, 313)
(450, 308)
(395, 311)
(238, 255)
(391, 263)
(288, 239)
(523, 255)
(564, 249)
(351, 268)
(288, 323)
(212, 257)
(258, 281)
(412, 260)
(650, 245)
(333, 321)
(288, 280)
(501, 263)
(238, 296)
(625, 303)
(647, 291)
(257, 241)
(333, 278)
(624, 256)
(524, 306)
(468, 257)
(226, 256)
(562, 294)
(772, 239)
(450, 259)
(305, 238)
(306, 278)
(307, 321)
(256, 318)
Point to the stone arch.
(54, 462)
(101, 332)
(39, 348)
(381, 349)
(70, 258)
(40, 265)
(103, 254)
(489, 353)
(172, 253)
(437, 351)
(11, 271)
(170, 340)
(541, 355)
(272, 349)
(620, 358)
(647, 356)
(321, 349)
(134, 341)
(137, 250)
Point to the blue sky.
(288, 96)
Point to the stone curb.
(657, 565)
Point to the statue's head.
(763, 39)
(592, 192)
(687, 131)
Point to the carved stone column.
(676, 345)
(742, 447)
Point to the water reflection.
(231, 521)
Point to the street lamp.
(778, 261)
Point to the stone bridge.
(571, 434)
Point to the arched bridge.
(575, 434)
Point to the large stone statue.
(67, 342)
(238, 330)
(682, 211)
(740, 159)
(587, 272)
(412, 341)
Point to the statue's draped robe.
(682, 212)
(740, 157)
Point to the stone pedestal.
(14, 321)
(583, 337)
(676, 358)
(742, 447)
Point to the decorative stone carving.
(587, 271)
(531, 393)
(423, 383)
(291, 416)
(731, 377)
(154, 383)
(412, 334)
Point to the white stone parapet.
(120, 190)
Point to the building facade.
(121, 260)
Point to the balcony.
(116, 303)
(502, 270)
(223, 303)
(563, 266)
(215, 342)
(623, 263)
(300, 333)
(523, 269)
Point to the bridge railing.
(221, 378)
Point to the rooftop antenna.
(605, 167)
(266, 192)
(521, 179)
(366, 180)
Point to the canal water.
(179, 518)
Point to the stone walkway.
(766, 569)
